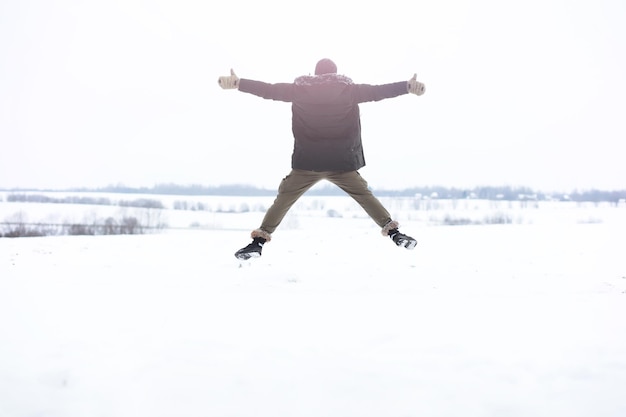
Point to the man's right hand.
(229, 82)
(415, 87)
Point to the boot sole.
(408, 244)
(247, 255)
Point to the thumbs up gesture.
(229, 82)
(415, 87)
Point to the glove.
(415, 87)
(229, 82)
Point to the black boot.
(253, 250)
(401, 239)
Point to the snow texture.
(521, 319)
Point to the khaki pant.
(298, 182)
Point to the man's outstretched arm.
(279, 91)
(367, 92)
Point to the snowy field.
(525, 317)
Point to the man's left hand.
(415, 87)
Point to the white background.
(523, 94)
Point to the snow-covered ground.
(519, 319)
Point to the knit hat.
(325, 66)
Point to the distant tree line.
(102, 201)
(40, 198)
(599, 195)
(485, 192)
(174, 189)
(127, 225)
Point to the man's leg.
(356, 186)
(352, 183)
(290, 190)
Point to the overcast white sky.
(94, 93)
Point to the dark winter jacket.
(326, 121)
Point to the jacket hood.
(322, 79)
